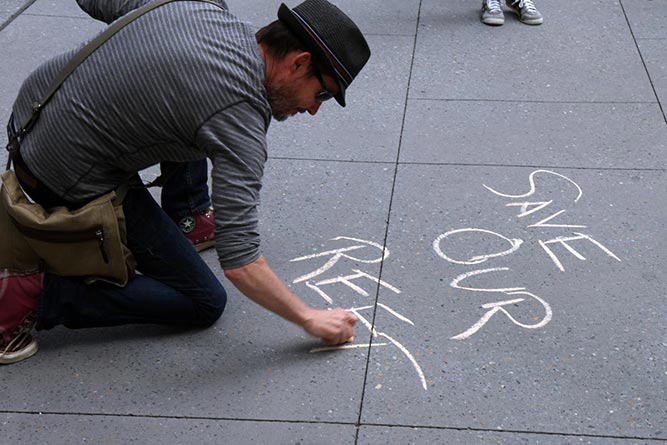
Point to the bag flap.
(31, 214)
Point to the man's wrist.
(305, 316)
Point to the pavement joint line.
(463, 164)
(565, 102)
(55, 16)
(390, 34)
(174, 417)
(344, 161)
(13, 17)
(356, 425)
(388, 218)
(641, 57)
(457, 164)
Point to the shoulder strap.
(73, 63)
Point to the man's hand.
(258, 282)
(332, 326)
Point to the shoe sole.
(493, 22)
(27, 352)
(533, 22)
(203, 246)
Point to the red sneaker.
(18, 299)
(198, 228)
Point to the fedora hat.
(331, 37)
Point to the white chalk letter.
(564, 242)
(514, 243)
(498, 307)
(455, 282)
(532, 186)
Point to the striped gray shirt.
(182, 82)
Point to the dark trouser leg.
(177, 287)
(186, 191)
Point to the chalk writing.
(525, 208)
(337, 254)
(318, 285)
(514, 246)
(564, 242)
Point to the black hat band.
(336, 64)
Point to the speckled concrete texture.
(647, 18)
(538, 336)
(595, 135)
(374, 435)
(498, 194)
(654, 53)
(567, 60)
(10, 8)
(50, 429)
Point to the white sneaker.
(527, 11)
(491, 13)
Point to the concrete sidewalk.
(514, 178)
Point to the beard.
(282, 102)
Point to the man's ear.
(300, 60)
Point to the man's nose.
(313, 110)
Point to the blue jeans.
(186, 190)
(175, 287)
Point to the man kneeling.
(184, 82)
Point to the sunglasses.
(325, 94)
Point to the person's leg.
(186, 200)
(186, 191)
(175, 286)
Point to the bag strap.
(74, 62)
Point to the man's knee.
(213, 309)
